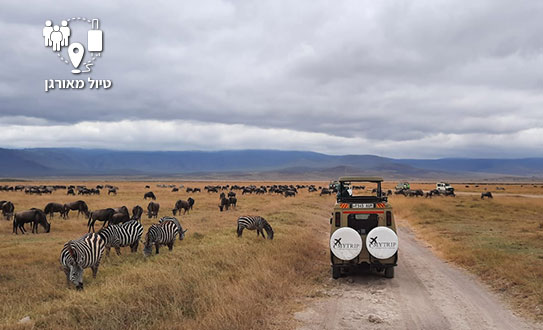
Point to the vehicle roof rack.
(360, 179)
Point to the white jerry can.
(95, 37)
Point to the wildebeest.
(224, 204)
(432, 193)
(112, 191)
(150, 195)
(80, 206)
(104, 215)
(137, 211)
(70, 192)
(415, 193)
(288, 193)
(196, 190)
(233, 202)
(7, 210)
(486, 194)
(325, 191)
(185, 205)
(152, 209)
(34, 216)
(52, 208)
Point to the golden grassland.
(500, 240)
(211, 280)
(214, 280)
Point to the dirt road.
(427, 293)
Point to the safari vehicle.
(403, 186)
(362, 230)
(444, 187)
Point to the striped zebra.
(254, 222)
(126, 234)
(163, 233)
(174, 220)
(76, 255)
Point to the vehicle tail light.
(338, 219)
(389, 218)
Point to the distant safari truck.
(444, 188)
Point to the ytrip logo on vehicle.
(82, 57)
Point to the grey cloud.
(388, 73)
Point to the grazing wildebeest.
(224, 204)
(150, 195)
(104, 215)
(389, 192)
(486, 194)
(288, 193)
(188, 189)
(175, 189)
(231, 194)
(325, 191)
(152, 209)
(416, 193)
(52, 208)
(80, 206)
(196, 190)
(137, 211)
(233, 202)
(7, 210)
(147, 187)
(70, 192)
(34, 216)
(185, 205)
(112, 191)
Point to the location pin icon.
(76, 52)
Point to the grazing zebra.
(162, 233)
(76, 255)
(252, 223)
(117, 236)
(174, 220)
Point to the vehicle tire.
(336, 272)
(389, 272)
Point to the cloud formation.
(394, 78)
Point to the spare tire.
(382, 242)
(346, 243)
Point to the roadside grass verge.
(500, 240)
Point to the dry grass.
(211, 280)
(500, 240)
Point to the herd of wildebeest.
(122, 227)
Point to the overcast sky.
(410, 79)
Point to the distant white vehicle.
(444, 187)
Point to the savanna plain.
(214, 280)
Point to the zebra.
(76, 255)
(163, 233)
(252, 223)
(126, 234)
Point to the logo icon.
(57, 37)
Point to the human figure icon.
(47, 33)
(65, 30)
(56, 38)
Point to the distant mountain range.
(250, 164)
